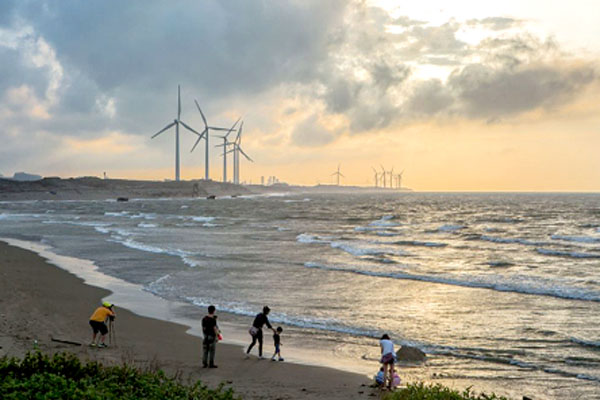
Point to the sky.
(460, 96)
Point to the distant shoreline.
(92, 188)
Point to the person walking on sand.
(256, 330)
(388, 358)
(277, 343)
(210, 330)
(97, 322)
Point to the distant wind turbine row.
(395, 181)
(228, 147)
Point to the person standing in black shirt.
(210, 330)
(256, 330)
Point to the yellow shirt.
(101, 314)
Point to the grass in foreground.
(420, 391)
(64, 376)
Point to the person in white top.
(388, 358)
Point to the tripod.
(112, 334)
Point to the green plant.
(420, 391)
(64, 376)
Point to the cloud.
(66, 72)
(311, 133)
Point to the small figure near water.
(256, 330)
(97, 322)
(211, 333)
(388, 358)
(277, 343)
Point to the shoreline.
(42, 301)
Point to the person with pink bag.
(388, 358)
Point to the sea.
(500, 290)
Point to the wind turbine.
(338, 173)
(237, 148)
(376, 177)
(176, 123)
(400, 179)
(224, 145)
(205, 132)
(383, 174)
(391, 172)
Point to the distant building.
(23, 176)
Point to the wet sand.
(40, 301)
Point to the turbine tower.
(400, 179)
(224, 145)
(206, 133)
(376, 177)
(176, 122)
(391, 172)
(338, 174)
(237, 148)
(383, 174)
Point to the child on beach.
(388, 358)
(379, 377)
(277, 343)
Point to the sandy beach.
(41, 302)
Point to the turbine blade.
(245, 155)
(215, 128)
(178, 101)
(191, 129)
(342, 175)
(239, 134)
(198, 140)
(201, 113)
(163, 129)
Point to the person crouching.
(97, 322)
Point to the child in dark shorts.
(277, 343)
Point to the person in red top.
(98, 325)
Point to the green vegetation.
(420, 391)
(63, 376)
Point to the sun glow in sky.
(461, 95)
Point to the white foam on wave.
(493, 282)
(301, 321)
(308, 238)
(581, 239)
(19, 215)
(143, 215)
(201, 218)
(369, 228)
(296, 201)
(146, 225)
(362, 250)
(385, 221)
(388, 234)
(571, 254)
(116, 214)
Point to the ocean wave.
(20, 215)
(385, 221)
(419, 243)
(322, 324)
(499, 264)
(581, 239)
(587, 343)
(388, 234)
(563, 292)
(297, 201)
(369, 228)
(202, 219)
(449, 228)
(79, 223)
(146, 225)
(358, 250)
(116, 214)
(308, 238)
(143, 215)
(525, 242)
(571, 254)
